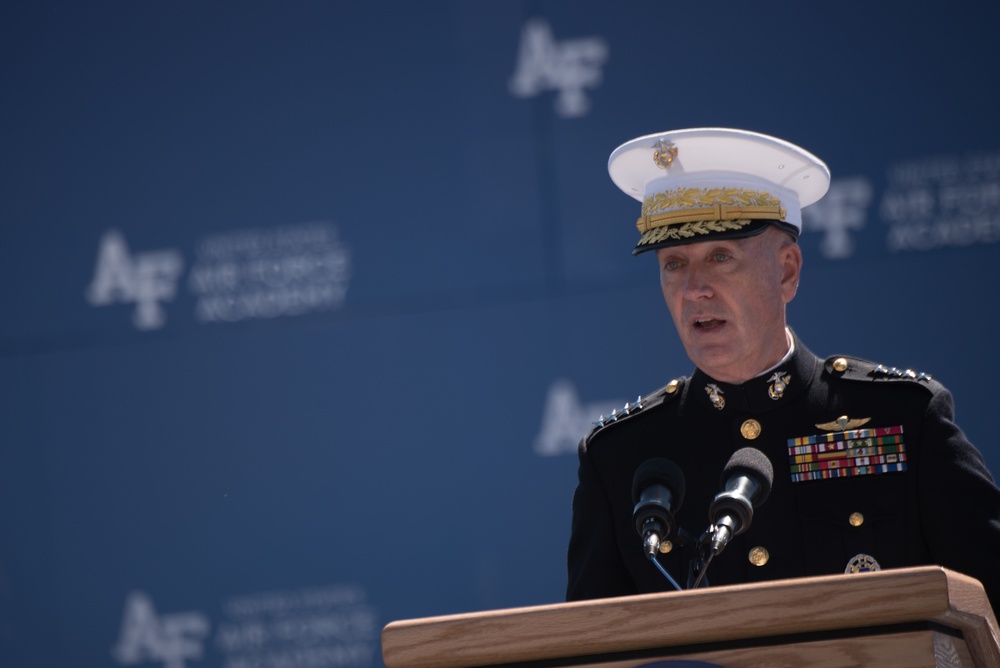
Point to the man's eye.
(720, 256)
(671, 265)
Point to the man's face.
(727, 300)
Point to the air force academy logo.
(565, 419)
(568, 67)
(170, 639)
(843, 210)
(144, 279)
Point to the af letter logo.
(145, 279)
(844, 208)
(171, 639)
(565, 420)
(569, 67)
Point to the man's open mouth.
(708, 324)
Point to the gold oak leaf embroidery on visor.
(687, 212)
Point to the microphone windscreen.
(754, 464)
(659, 471)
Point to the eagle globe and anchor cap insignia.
(664, 152)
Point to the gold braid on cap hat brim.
(695, 211)
(689, 230)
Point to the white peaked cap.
(714, 183)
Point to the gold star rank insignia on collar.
(843, 423)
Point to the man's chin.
(721, 365)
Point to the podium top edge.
(710, 615)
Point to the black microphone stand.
(699, 565)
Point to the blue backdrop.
(304, 306)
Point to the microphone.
(746, 482)
(657, 491)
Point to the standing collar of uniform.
(771, 389)
(784, 360)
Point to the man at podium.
(865, 466)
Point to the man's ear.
(790, 262)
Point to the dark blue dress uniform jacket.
(943, 509)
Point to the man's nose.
(697, 283)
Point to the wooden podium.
(906, 618)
